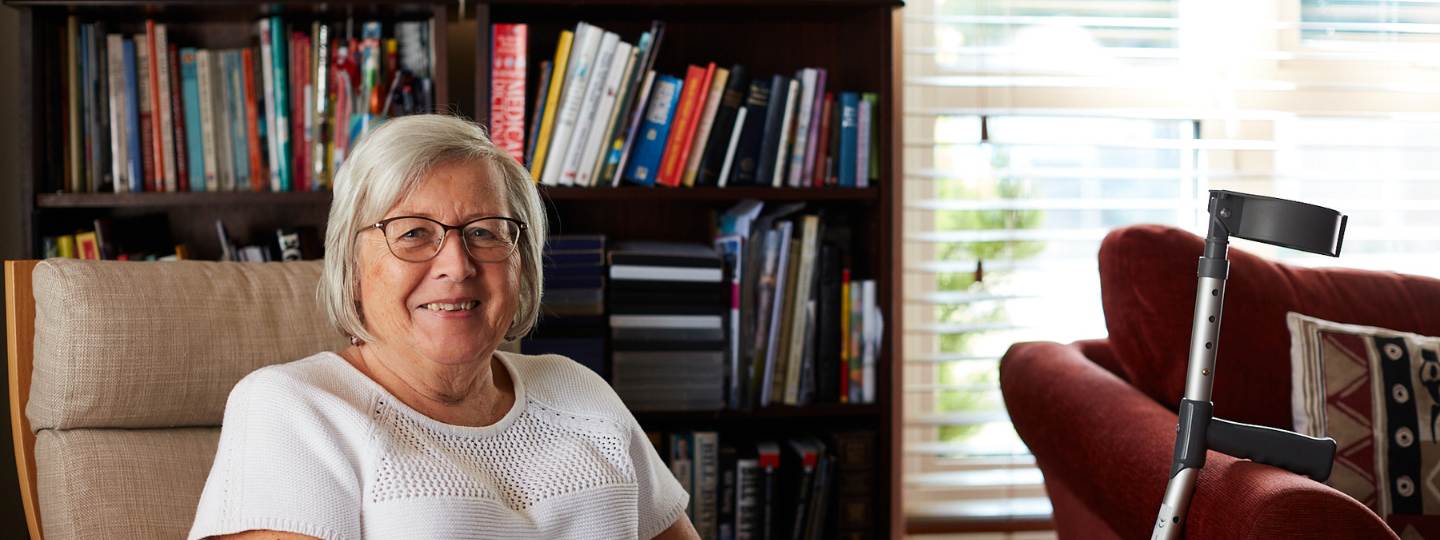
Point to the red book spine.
(300, 144)
(702, 94)
(177, 108)
(822, 147)
(671, 164)
(259, 179)
(157, 147)
(507, 89)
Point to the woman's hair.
(388, 165)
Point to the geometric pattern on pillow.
(1377, 393)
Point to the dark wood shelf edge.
(836, 411)
(165, 200)
(649, 195)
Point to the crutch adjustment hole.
(1209, 344)
(1212, 318)
(1214, 292)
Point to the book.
(74, 171)
(177, 112)
(748, 498)
(808, 79)
(862, 144)
(748, 155)
(267, 79)
(787, 127)
(713, 155)
(740, 119)
(541, 90)
(822, 147)
(873, 166)
(624, 142)
(557, 83)
(119, 147)
(208, 141)
(805, 268)
(577, 81)
(849, 110)
(507, 88)
(707, 480)
(87, 246)
(812, 145)
(149, 147)
(707, 123)
(645, 163)
(282, 132)
(697, 82)
(162, 102)
(259, 180)
(622, 64)
(133, 144)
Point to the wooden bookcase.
(857, 41)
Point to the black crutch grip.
(1288, 450)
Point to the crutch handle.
(1297, 453)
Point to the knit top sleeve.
(284, 463)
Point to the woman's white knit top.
(316, 447)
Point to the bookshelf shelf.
(837, 412)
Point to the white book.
(577, 78)
(665, 273)
(599, 126)
(208, 144)
(734, 142)
(585, 118)
(782, 155)
(802, 126)
(666, 321)
(267, 67)
(783, 230)
(119, 145)
(809, 230)
(707, 476)
(870, 339)
(166, 123)
(707, 121)
(862, 145)
(613, 116)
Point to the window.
(1034, 127)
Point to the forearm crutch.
(1274, 221)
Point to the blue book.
(132, 119)
(279, 71)
(654, 130)
(235, 109)
(190, 95)
(849, 134)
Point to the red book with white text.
(507, 89)
(259, 180)
(686, 112)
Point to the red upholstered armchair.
(1099, 415)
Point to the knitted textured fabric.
(316, 447)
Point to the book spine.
(707, 477)
(620, 152)
(282, 132)
(152, 95)
(267, 77)
(671, 162)
(577, 82)
(589, 107)
(89, 128)
(164, 104)
(552, 99)
(176, 104)
(104, 174)
(258, 179)
(224, 145)
(817, 115)
(796, 158)
(235, 106)
(542, 90)
(320, 111)
(844, 336)
(300, 109)
(822, 148)
(849, 109)
(871, 318)
(729, 161)
(747, 499)
(194, 134)
(873, 167)
(704, 131)
(133, 141)
(731, 102)
(687, 140)
(507, 88)
(853, 341)
(74, 169)
(862, 144)
(770, 144)
(149, 149)
(620, 68)
(787, 126)
(810, 229)
(651, 143)
(119, 148)
(209, 143)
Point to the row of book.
(138, 238)
(143, 114)
(603, 115)
(798, 488)
(804, 328)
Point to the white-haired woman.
(422, 428)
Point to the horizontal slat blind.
(1034, 127)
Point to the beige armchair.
(119, 373)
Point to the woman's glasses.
(419, 239)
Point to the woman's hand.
(681, 530)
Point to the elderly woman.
(423, 428)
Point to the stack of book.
(572, 320)
(800, 487)
(667, 304)
(144, 114)
(604, 115)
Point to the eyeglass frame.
(445, 229)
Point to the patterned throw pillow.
(1377, 393)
